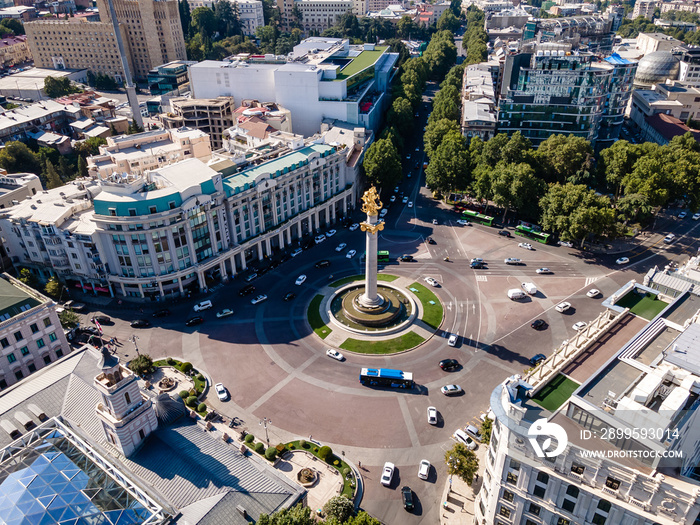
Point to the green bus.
(475, 216)
(532, 232)
(382, 256)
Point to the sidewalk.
(458, 498)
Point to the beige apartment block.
(210, 115)
(134, 154)
(14, 50)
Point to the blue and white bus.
(386, 377)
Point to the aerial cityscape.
(350, 262)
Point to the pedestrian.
(359, 464)
(111, 341)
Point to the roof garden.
(361, 62)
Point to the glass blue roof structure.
(54, 480)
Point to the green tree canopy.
(204, 21)
(53, 288)
(449, 167)
(515, 186)
(435, 132)
(462, 462)
(69, 319)
(447, 104)
(297, 515)
(141, 364)
(562, 157)
(340, 508)
(382, 164)
(53, 180)
(59, 87)
(16, 157)
(401, 115)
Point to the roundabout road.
(274, 365)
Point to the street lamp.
(264, 422)
(134, 338)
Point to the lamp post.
(264, 422)
(135, 338)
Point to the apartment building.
(622, 448)
(479, 115)
(674, 98)
(689, 66)
(680, 5)
(31, 335)
(182, 226)
(212, 116)
(14, 50)
(150, 29)
(547, 89)
(592, 31)
(250, 13)
(16, 187)
(46, 115)
(317, 15)
(135, 154)
(169, 78)
(645, 8)
(324, 78)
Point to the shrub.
(200, 377)
(303, 443)
(259, 448)
(346, 471)
(193, 392)
(191, 401)
(270, 453)
(336, 462)
(170, 361)
(184, 394)
(326, 453)
(141, 364)
(340, 508)
(291, 446)
(249, 438)
(186, 367)
(202, 407)
(316, 449)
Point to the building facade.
(31, 335)
(212, 116)
(550, 90)
(250, 13)
(325, 78)
(150, 29)
(316, 15)
(47, 115)
(14, 50)
(168, 78)
(645, 8)
(16, 187)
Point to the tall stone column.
(372, 226)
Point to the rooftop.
(56, 205)
(14, 300)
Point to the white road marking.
(590, 280)
(482, 278)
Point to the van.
(669, 238)
(204, 305)
(516, 295)
(530, 288)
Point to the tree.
(297, 515)
(53, 288)
(447, 104)
(340, 508)
(516, 186)
(449, 167)
(134, 128)
(485, 430)
(13, 25)
(462, 463)
(633, 207)
(59, 87)
(382, 164)
(435, 131)
(575, 212)
(88, 147)
(617, 162)
(141, 364)
(82, 167)
(227, 20)
(185, 16)
(204, 21)
(69, 319)
(401, 115)
(562, 157)
(53, 180)
(362, 518)
(448, 21)
(405, 27)
(65, 170)
(492, 150)
(16, 157)
(28, 278)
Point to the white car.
(543, 270)
(566, 244)
(351, 254)
(319, 239)
(296, 252)
(330, 233)
(300, 280)
(204, 305)
(477, 260)
(259, 299)
(525, 245)
(387, 474)
(452, 341)
(410, 204)
(580, 326)
(221, 391)
(224, 313)
(408, 157)
(424, 469)
(696, 216)
(512, 260)
(682, 215)
(334, 354)
(462, 222)
(622, 260)
(340, 247)
(435, 221)
(383, 212)
(462, 437)
(404, 200)
(396, 190)
(593, 292)
(431, 281)
(353, 227)
(432, 415)
(392, 198)
(562, 307)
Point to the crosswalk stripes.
(590, 280)
(482, 278)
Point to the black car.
(449, 364)
(505, 233)
(477, 265)
(539, 324)
(537, 359)
(407, 497)
(307, 245)
(289, 296)
(89, 330)
(140, 323)
(192, 321)
(163, 312)
(407, 258)
(102, 319)
(325, 263)
(430, 240)
(274, 264)
(246, 290)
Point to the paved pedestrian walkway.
(458, 498)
